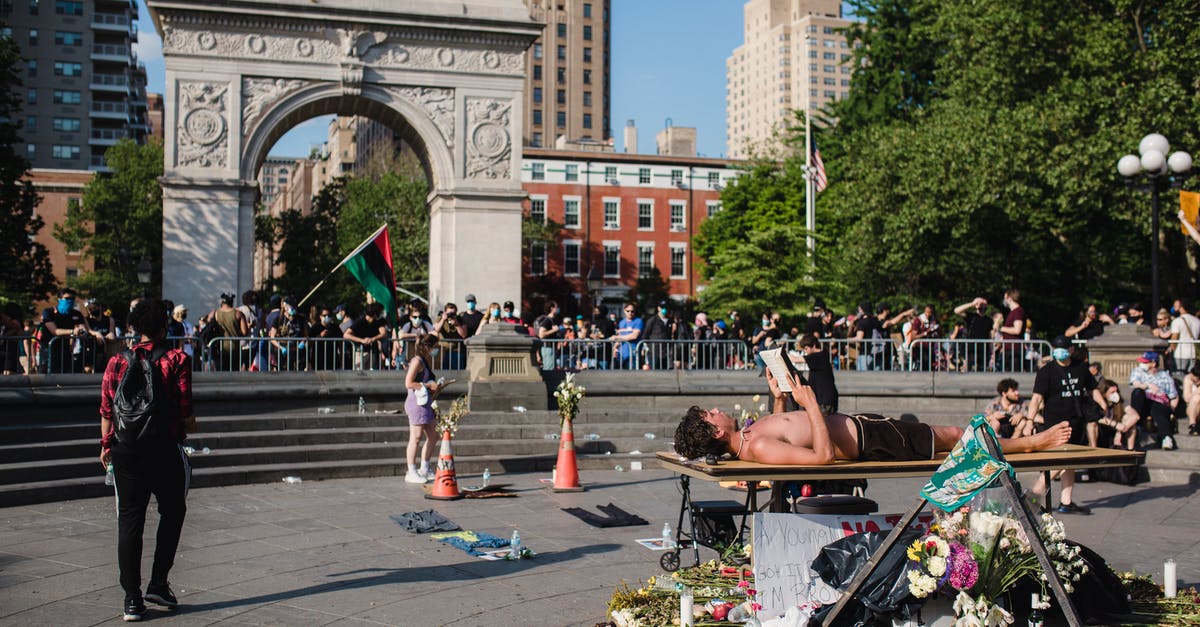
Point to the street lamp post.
(1161, 173)
(145, 272)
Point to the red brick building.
(622, 214)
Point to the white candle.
(687, 617)
(1169, 581)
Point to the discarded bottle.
(514, 545)
(738, 614)
(666, 534)
(1035, 611)
(325, 410)
(550, 436)
(649, 436)
(362, 405)
(109, 477)
(593, 436)
(519, 409)
(487, 477)
(619, 468)
(292, 479)
(206, 450)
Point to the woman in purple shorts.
(422, 390)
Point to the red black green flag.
(371, 264)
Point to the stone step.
(467, 469)
(1173, 475)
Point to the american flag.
(818, 169)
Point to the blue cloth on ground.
(471, 541)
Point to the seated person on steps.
(807, 437)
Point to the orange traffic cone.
(445, 485)
(566, 474)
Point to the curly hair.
(149, 317)
(696, 437)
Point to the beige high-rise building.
(567, 73)
(793, 57)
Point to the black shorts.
(882, 439)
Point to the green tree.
(306, 246)
(649, 290)
(397, 198)
(118, 223)
(25, 273)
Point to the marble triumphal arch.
(447, 74)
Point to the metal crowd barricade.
(1005, 356)
(606, 354)
(286, 354)
(71, 354)
(18, 354)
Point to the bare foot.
(1057, 435)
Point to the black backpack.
(140, 403)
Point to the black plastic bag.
(884, 595)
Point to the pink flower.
(743, 584)
(752, 592)
(961, 566)
(755, 606)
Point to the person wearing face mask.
(658, 329)
(66, 327)
(290, 351)
(1060, 389)
(412, 329)
(1154, 396)
(422, 390)
(492, 315)
(472, 317)
(369, 332)
(1119, 424)
(764, 337)
(323, 334)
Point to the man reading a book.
(809, 438)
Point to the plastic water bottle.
(666, 534)
(109, 477)
(292, 479)
(514, 545)
(487, 477)
(362, 405)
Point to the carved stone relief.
(404, 55)
(437, 103)
(258, 94)
(489, 145)
(202, 135)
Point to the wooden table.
(1066, 456)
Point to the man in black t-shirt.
(868, 329)
(369, 331)
(66, 327)
(977, 325)
(472, 317)
(1060, 392)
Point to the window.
(561, 97)
(562, 53)
(832, 69)
(33, 36)
(828, 30)
(610, 172)
(587, 55)
(612, 213)
(587, 9)
(829, 81)
(64, 152)
(713, 207)
(72, 273)
(537, 95)
(587, 120)
(571, 257)
(537, 117)
(571, 212)
(587, 77)
(587, 98)
(66, 96)
(829, 56)
(68, 38)
(537, 209)
(830, 94)
(714, 179)
(678, 210)
(31, 123)
(562, 29)
(537, 172)
(676, 177)
(561, 119)
(612, 259)
(537, 258)
(561, 75)
(829, 43)
(66, 125)
(645, 215)
(812, 67)
(643, 176)
(65, 68)
(845, 82)
(845, 57)
(30, 151)
(812, 54)
(678, 261)
(572, 173)
(31, 96)
(33, 7)
(537, 139)
(31, 65)
(587, 33)
(537, 51)
(537, 72)
(68, 7)
(645, 260)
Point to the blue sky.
(668, 61)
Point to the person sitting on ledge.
(807, 437)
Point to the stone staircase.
(1180, 466)
(41, 462)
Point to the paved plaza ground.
(326, 552)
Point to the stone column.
(500, 370)
(475, 247)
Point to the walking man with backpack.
(145, 412)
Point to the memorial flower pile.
(751, 412)
(568, 395)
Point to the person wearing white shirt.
(1185, 330)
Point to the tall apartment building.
(274, 176)
(793, 58)
(567, 73)
(83, 86)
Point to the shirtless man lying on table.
(806, 437)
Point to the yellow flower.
(914, 550)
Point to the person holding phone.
(422, 389)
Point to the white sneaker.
(1168, 443)
(413, 476)
(428, 473)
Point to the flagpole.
(354, 252)
(810, 211)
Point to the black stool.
(835, 504)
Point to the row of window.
(561, 77)
(537, 172)
(61, 125)
(612, 259)
(57, 151)
(561, 97)
(561, 29)
(561, 119)
(612, 213)
(61, 96)
(61, 7)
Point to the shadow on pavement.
(1137, 495)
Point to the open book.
(780, 364)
